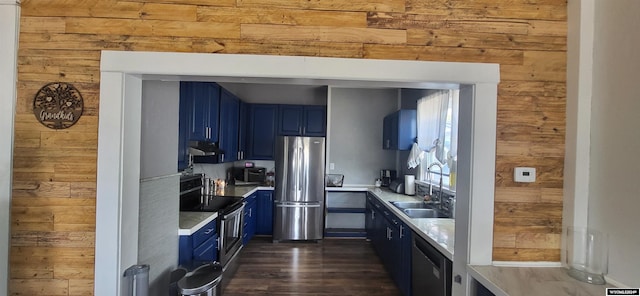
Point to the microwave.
(251, 175)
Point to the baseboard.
(527, 263)
(615, 283)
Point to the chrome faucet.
(431, 183)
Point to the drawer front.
(207, 251)
(204, 233)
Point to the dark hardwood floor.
(331, 267)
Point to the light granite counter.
(532, 281)
(439, 232)
(190, 222)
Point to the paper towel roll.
(409, 184)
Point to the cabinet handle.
(401, 231)
(222, 158)
(208, 231)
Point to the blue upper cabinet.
(261, 131)
(186, 101)
(242, 130)
(291, 117)
(302, 120)
(399, 130)
(229, 114)
(204, 111)
(315, 121)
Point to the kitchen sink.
(411, 205)
(424, 213)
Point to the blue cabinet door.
(242, 130)
(399, 130)
(250, 217)
(229, 112)
(185, 107)
(291, 120)
(261, 132)
(264, 223)
(204, 111)
(407, 129)
(405, 259)
(315, 121)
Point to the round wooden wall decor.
(58, 105)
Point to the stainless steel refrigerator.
(299, 200)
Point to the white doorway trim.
(122, 74)
(9, 32)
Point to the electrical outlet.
(524, 174)
(332, 166)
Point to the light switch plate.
(524, 174)
(332, 166)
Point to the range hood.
(204, 148)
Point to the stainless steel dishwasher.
(431, 271)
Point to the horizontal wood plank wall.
(53, 210)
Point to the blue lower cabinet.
(207, 251)
(202, 245)
(249, 219)
(391, 239)
(264, 225)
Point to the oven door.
(230, 233)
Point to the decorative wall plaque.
(58, 105)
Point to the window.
(438, 135)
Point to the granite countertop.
(190, 222)
(439, 232)
(532, 281)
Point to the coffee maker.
(386, 176)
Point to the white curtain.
(432, 116)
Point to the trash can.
(202, 281)
(175, 276)
(137, 280)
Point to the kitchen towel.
(415, 156)
(409, 184)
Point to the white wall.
(614, 190)
(355, 134)
(159, 143)
(9, 21)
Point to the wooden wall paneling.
(52, 287)
(111, 26)
(217, 3)
(543, 148)
(323, 49)
(449, 38)
(333, 5)
(42, 24)
(527, 225)
(504, 240)
(53, 199)
(449, 54)
(295, 17)
(533, 88)
(322, 33)
(548, 171)
(80, 287)
(528, 194)
(515, 254)
(99, 42)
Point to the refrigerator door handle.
(302, 166)
(297, 205)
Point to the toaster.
(397, 186)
